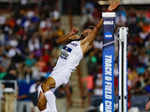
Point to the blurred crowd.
(28, 52)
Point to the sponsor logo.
(108, 35)
(108, 22)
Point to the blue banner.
(108, 56)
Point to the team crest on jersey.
(68, 49)
(74, 44)
(65, 52)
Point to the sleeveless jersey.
(69, 59)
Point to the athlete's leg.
(42, 101)
(51, 100)
(47, 102)
(48, 84)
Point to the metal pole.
(123, 88)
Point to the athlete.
(71, 54)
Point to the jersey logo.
(74, 44)
(65, 52)
(67, 48)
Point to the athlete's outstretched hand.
(74, 31)
(66, 37)
(113, 5)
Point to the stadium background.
(28, 30)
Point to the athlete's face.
(85, 33)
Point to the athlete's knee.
(48, 84)
(41, 104)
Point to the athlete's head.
(86, 31)
(83, 34)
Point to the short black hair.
(90, 27)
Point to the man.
(67, 62)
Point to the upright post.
(108, 55)
(123, 88)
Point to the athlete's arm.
(89, 39)
(86, 43)
(66, 37)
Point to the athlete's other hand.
(74, 31)
(113, 5)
